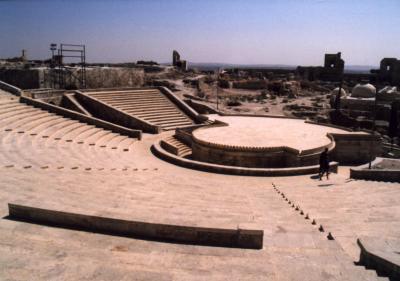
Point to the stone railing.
(82, 117)
(10, 88)
(183, 106)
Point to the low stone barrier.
(183, 106)
(364, 173)
(233, 170)
(237, 238)
(380, 255)
(10, 88)
(82, 117)
(200, 107)
(355, 148)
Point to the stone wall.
(268, 157)
(355, 148)
(99, 77)
(228, 237)
(114, 77)
(22, 78)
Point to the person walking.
(324, 164)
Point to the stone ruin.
(365, 107)
(177, 62)
(331, 71)
(388, 72)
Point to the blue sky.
(295, 32)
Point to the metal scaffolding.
(61, 72)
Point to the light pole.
(373, 126)
(53, 47)
(217, 90)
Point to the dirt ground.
(251, 101)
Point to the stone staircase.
(34, 138)
(147, 104)
(180, 149)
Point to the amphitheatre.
(136, 182)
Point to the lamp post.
(53, 47)
(217, 90)
(373, 126)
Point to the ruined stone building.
(365, 104)
(177, 62)
(331, 71)
(388, 72)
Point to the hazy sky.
(295, 32)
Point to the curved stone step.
(18, 125)
(113, 144)
(91, 140)
(51, 126)
(9, 105)
(84, 135)
(9, 121)
(11, 113)
(104, 140)
(72, 129)
(126, 144)
(43, 121)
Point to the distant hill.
(215, 66)
(359, 68)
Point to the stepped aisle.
(348, 208)
(147, 104)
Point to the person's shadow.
(314, 177)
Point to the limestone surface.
(68, 166)
(267, 132)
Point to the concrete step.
(47, 128)
(167, 117)
(73, 132)
(173, 127)
(46, 120)
(5, 106)
(172, 122)
(14, 112)
(146, 112)
(141, 91)
(104, 141)
(129, 98)
(130, 104)
(31, 118)
(150, 107)
(174, 114)
(68, 129)
(9, 121)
